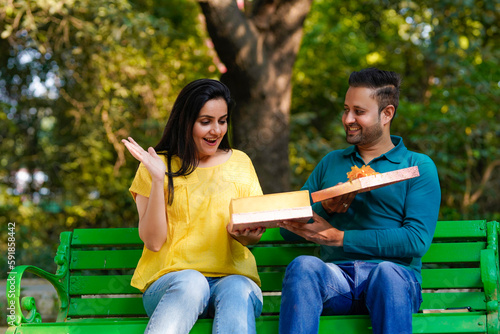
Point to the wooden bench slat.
(443, 300)
(271, 304)
(105, 259)
(105, 237)
(267, 256)
(281, 256)
(120, 284)
(469, 322)
(271, 281)
(272, 235)
(94, 285)
(130, 236)
(438, 253)
(117, 307)
(444, 230)
(456, 278)
(460, 229)
(434, 300)
(100, 307)
(473, 322)
(133, 306)
(454, 252)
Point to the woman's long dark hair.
(177, 137)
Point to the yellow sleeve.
(142, 182)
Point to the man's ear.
(387, 114)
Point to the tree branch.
(244, 43)
(234, 36)
(486, 177)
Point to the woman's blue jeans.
(387, 292)
(176, 300)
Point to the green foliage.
(78, 77)
(445, 51)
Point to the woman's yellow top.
(197, 236)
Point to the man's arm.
(411, 240)
(319, 231)
(420, 216)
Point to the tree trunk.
(259, 47)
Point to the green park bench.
(460, 274)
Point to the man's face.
(361, 118)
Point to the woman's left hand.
(247, 236)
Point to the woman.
(192, 266)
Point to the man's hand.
(247, 236)
(338, 204)
(319, 232)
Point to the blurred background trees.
(447, 52)
(77, 76)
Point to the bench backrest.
(102, 261)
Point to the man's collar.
(394, 155)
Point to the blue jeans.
(387, 292)
(176, 300)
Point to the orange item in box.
(357, 172)
(366, 183)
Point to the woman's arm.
(152, 218)
(152, 213)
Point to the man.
(372, 242)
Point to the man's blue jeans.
(311, 287)
(176, 300)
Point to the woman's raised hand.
(154, 164)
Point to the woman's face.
(210, 127)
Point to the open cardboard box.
(268, 210)
(366, 183)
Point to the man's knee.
(305, 263)
(390, 277)
(385, 268)
(387, 271)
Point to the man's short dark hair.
(384, 83)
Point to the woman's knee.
(192, 283)
(239, 285)
(239, 290)
(189, 283)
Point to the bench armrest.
(59, 280)
(490, 277)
